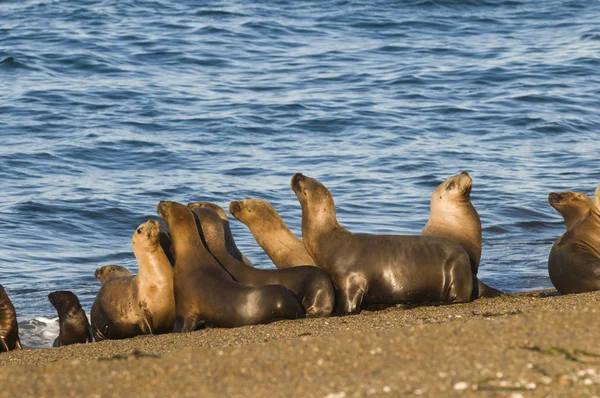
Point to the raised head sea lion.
(9, 328)
(379, 269)
(574, 261)
(108, 272)
(142, 303)
(72, 321)
(229, 242)
(309, 284)
(271, 233)
(205, 293)
(573, 206)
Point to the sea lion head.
(314, 197)
(208, 205)
(107, 272)
(569, 200)
(455, 189)
(147, 234)
(247, 210)
(63, 301)
(211, 227)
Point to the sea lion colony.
(195, 276)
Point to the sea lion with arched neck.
(379, 269)
(229, 242)
(205, 292)
(271, 233)
(72, 321)
(573, 206)
(142, 303)
(311, 285)
(108, 272)
(9, 328)
(574, 261)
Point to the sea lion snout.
(234, 207)
(554, 198)
(52, 297)
(296, 183)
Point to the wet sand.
(527, 344)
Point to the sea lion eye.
(450, 186)
(139, 231)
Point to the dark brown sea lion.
(454, 217)
(108, 272)
(206, 294)
(574, 261)
(379, 269)
(73, 323)
(311, 285)
(9, 328)
(229, 242)
(573, 206)
(271, 233)
(140, 304)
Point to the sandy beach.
(526, 344)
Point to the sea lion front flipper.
(147, 319)
(56, 342)
(4, 346)
(351, 291)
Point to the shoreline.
(532, 343)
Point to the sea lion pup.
(454, 217)
(142, 303)
(229, 242)
(9, 328)
(108, 272)
(73, 323)
(379, 269)
(271, 233)
(206, 294)
(573, 206)
(311, 285)
(574, 261)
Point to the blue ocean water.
(107, 107)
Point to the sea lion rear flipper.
(56, 342)
(18, 345)
(480, 290)
(4, 346)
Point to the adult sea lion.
(9, 328)
(108, 272)
(142, 303)
(311, 285)
(229, 242)
(205, 293)
(573, 206)
(72, 321)
(379, 269)
(271, 233)
(574, 261)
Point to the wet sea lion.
(9, 328)
(311, 285)
(73, 323)
(379, 269)
(574, 261)
(573, 206)
(142, 303)
(108, 272)
(205, 293)
(229, 242)
(271, 233)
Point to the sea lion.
(453, 216)
(9, 328)
(165, 243)
(108, 272)
(311, 285)
(73, 323)
(142, 303)
(573, 206)
(229, 242)
(379, 269)
(205, 293)
(574, 261)
(271, 233)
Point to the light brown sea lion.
(574, 261)
(73, 323)
(573, 206)
(379, 269)
(140, 304)
(271, 233)
(311, 285)
(9, 328)
(229, 242)
(205, 293)
(108, 272)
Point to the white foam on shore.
(39, 332)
